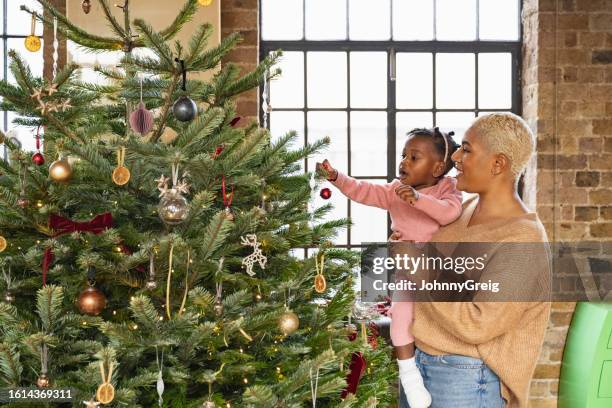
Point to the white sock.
(412, 382)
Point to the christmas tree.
(154, 257)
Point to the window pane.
(369, 20)
(334, 125)
(368, 79)
(326, 20)
(368, 143)
(457, 122)
(326, 79)
(455, 86)
(282, 19)
(495, 80)
(287, 90)
(19, 22)
(456, 20)
(404, 123)
(413, 20)
(369, 223)
(33, 59)
(499, 19)
(282, 122)
(24, 134)
(414, 80)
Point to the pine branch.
(183, 17)
(49, 305)
(10, 366)
(214, 235)
(113, 23)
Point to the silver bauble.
(173, 208)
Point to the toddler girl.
(419, 202)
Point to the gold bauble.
(121, 175)
(320, 283)
(105, 393)
(205, 2)
(173, 208)
(9, 297)
(43, 381)
(288, 322)
(3, 243)
(32, 43)
(209, 404)
(60, 170)
(91, 301)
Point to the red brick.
(573, 22)
(547, 371)
(590, 144)
(600, 161)
(564, 162)
(591, 40)
(600, 21)
(570, 74)
(571, 39)
(608, 144)
(600, 93)
(600, 196)
(602, 127)
(591, 74)
(573, 56)
(586, 213)
(590, 5)
(240, 19)
(246, 108)
(574, 127)
(572, 195)
(601, 230)
(568, 5)
(569, 109)
(587, 178)
(229, 5)
(606, 212)
(242, 54)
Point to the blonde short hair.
(509, 134)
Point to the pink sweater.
(437, 205)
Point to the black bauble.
(185, 109)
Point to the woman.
(483, 353)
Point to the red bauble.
(38, 159)
(91, 301)
(325, 193)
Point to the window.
(16, 25)
(366, 72)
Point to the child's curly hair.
(443, 142)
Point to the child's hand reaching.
(327, 170)
(407, 193)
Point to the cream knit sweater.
(507, 336)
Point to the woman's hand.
(407, 193)
(326, 168)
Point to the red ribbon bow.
(63, 226)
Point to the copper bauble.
(141, 120)
(60, 170)
(38, 159)
(43, 381)
(91, 301)
(86, 6)
(3, 243)
(288, 322)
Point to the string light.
(245, 380)
(114, 313)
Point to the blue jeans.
(458, 382)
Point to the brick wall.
(567, 100)
(243, 16)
